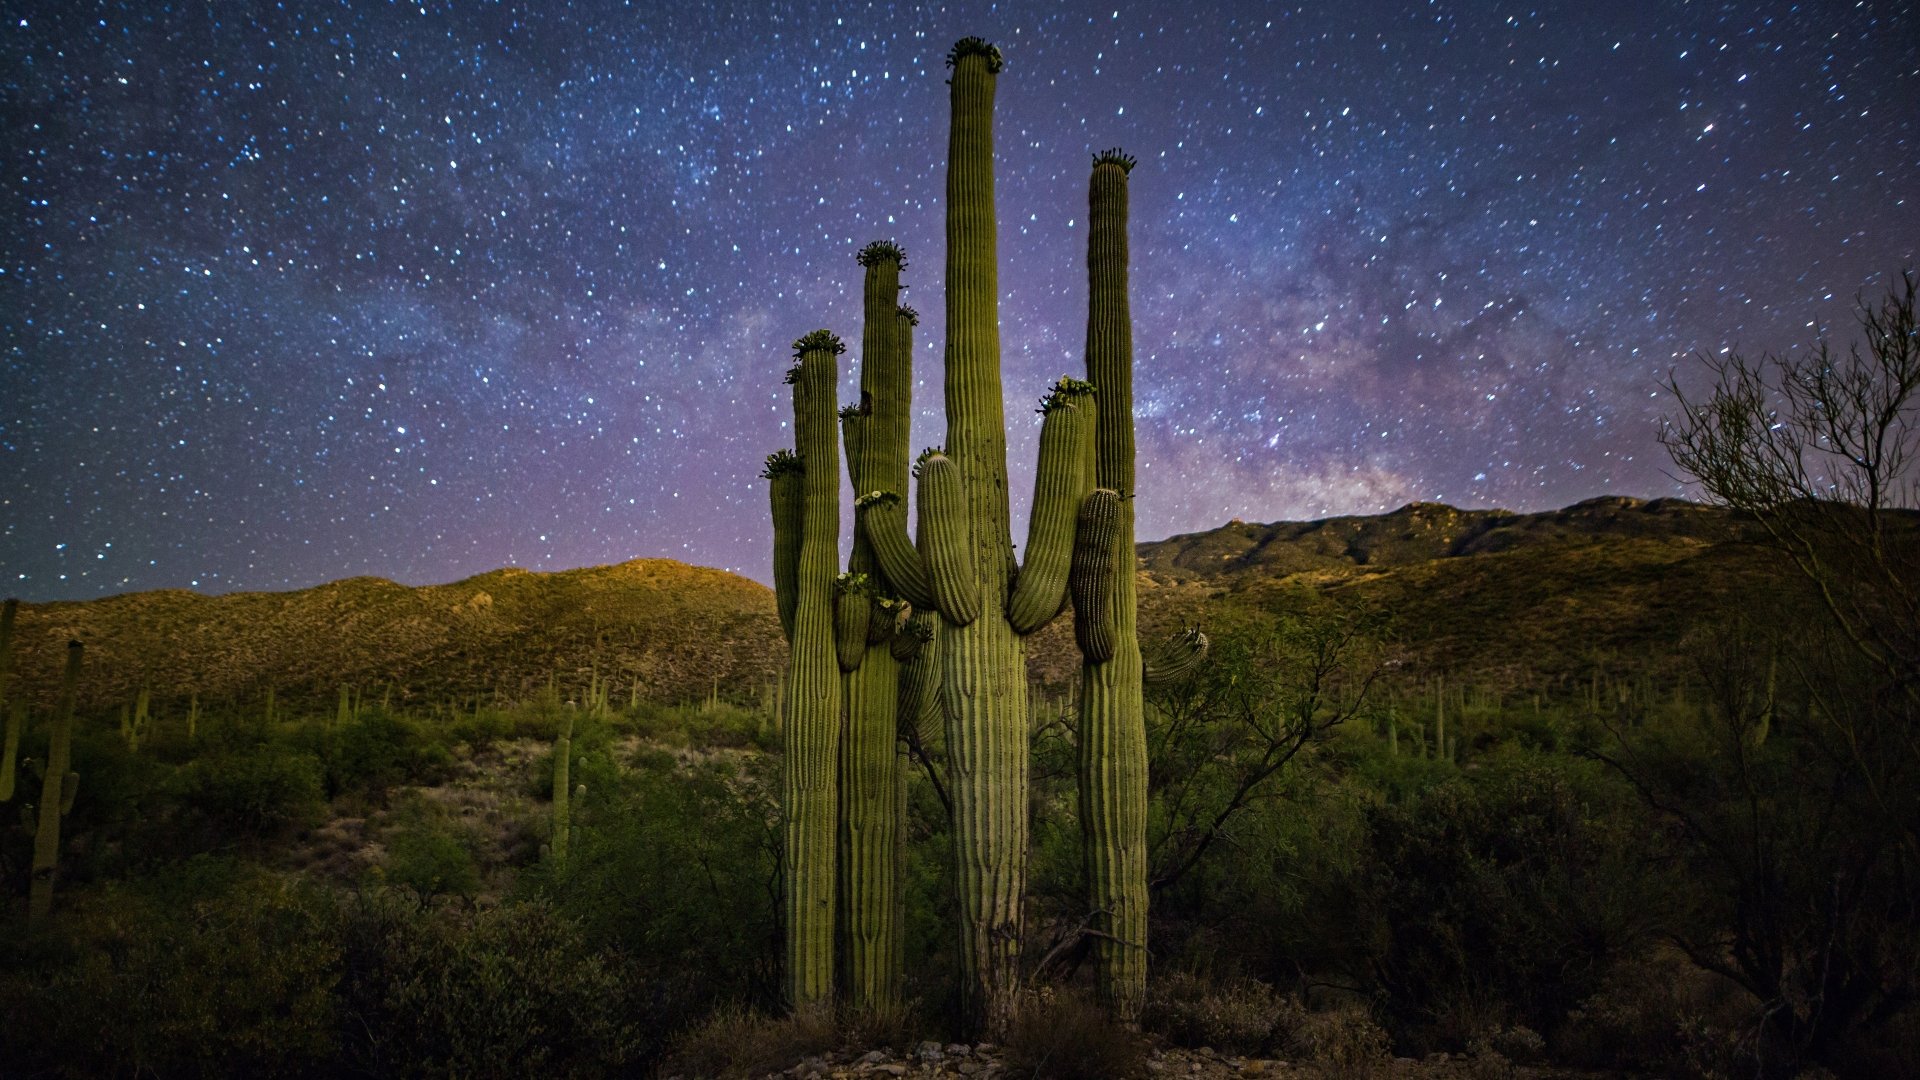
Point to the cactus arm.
(787, 491)
(1176, 660)
(811, 722)
(1091, 576)
(951, 566)
(883, 520)
(56, 793)
(1059, 487)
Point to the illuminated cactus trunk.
(58, 787)
(810, 717)
(1113, 737)
(871, 784)
(963, 565)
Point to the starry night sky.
(301, 291)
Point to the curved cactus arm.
(852, 609)
(1060, 484)
(883, 520)
(1091, 577)
(945, 540)
(787, 490)
(884, 621)
(1175, 660)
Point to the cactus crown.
(973, 46)
(882, 249)
(851, 584)
(1115, 156)
(923, 631)
(793, 375)
(1062, 393)
(865, 408)
(819, 339)
(782, 463)
(877, 498)
(930, 451)
(912, 316)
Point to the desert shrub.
(1503, 900)
(676, 868)
(1239, 1016)
(439, 991)
(431, 860)
(1343, 1043)
(738, 1042)
(379, 750)
(255, 792)
(1061, 1036)
(214, 969)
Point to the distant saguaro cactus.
(964, 566)
(59, 785)
(805, 564)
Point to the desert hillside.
(1473, 588)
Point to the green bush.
(444, 992)
(431, 861)
(214, 969)
(256, 792)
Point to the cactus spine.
(964, 563)
(871, 784)
(58, 787)
(1113, 737)
(811, 709)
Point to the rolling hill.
(1472, 591)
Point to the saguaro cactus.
(58, 787)
(964, 566)
(871, 785)
(1113, 737)
(811, 708)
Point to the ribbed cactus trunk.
(870, 767)
(811, 721)
(983, 662)
(1113, 736)
(58, 787)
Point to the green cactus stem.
(871, 782)
(1091, 577)
(1059, 487)
(948, 549)
(785, 487)
(59, 786)
(852, 611)
(883, 518)
(1113, 735)
(811, 719)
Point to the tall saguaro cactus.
(58, 787)
(871, 782)
(1113, 736)
(964, 566)
(810, 717)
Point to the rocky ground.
(984, 1060)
